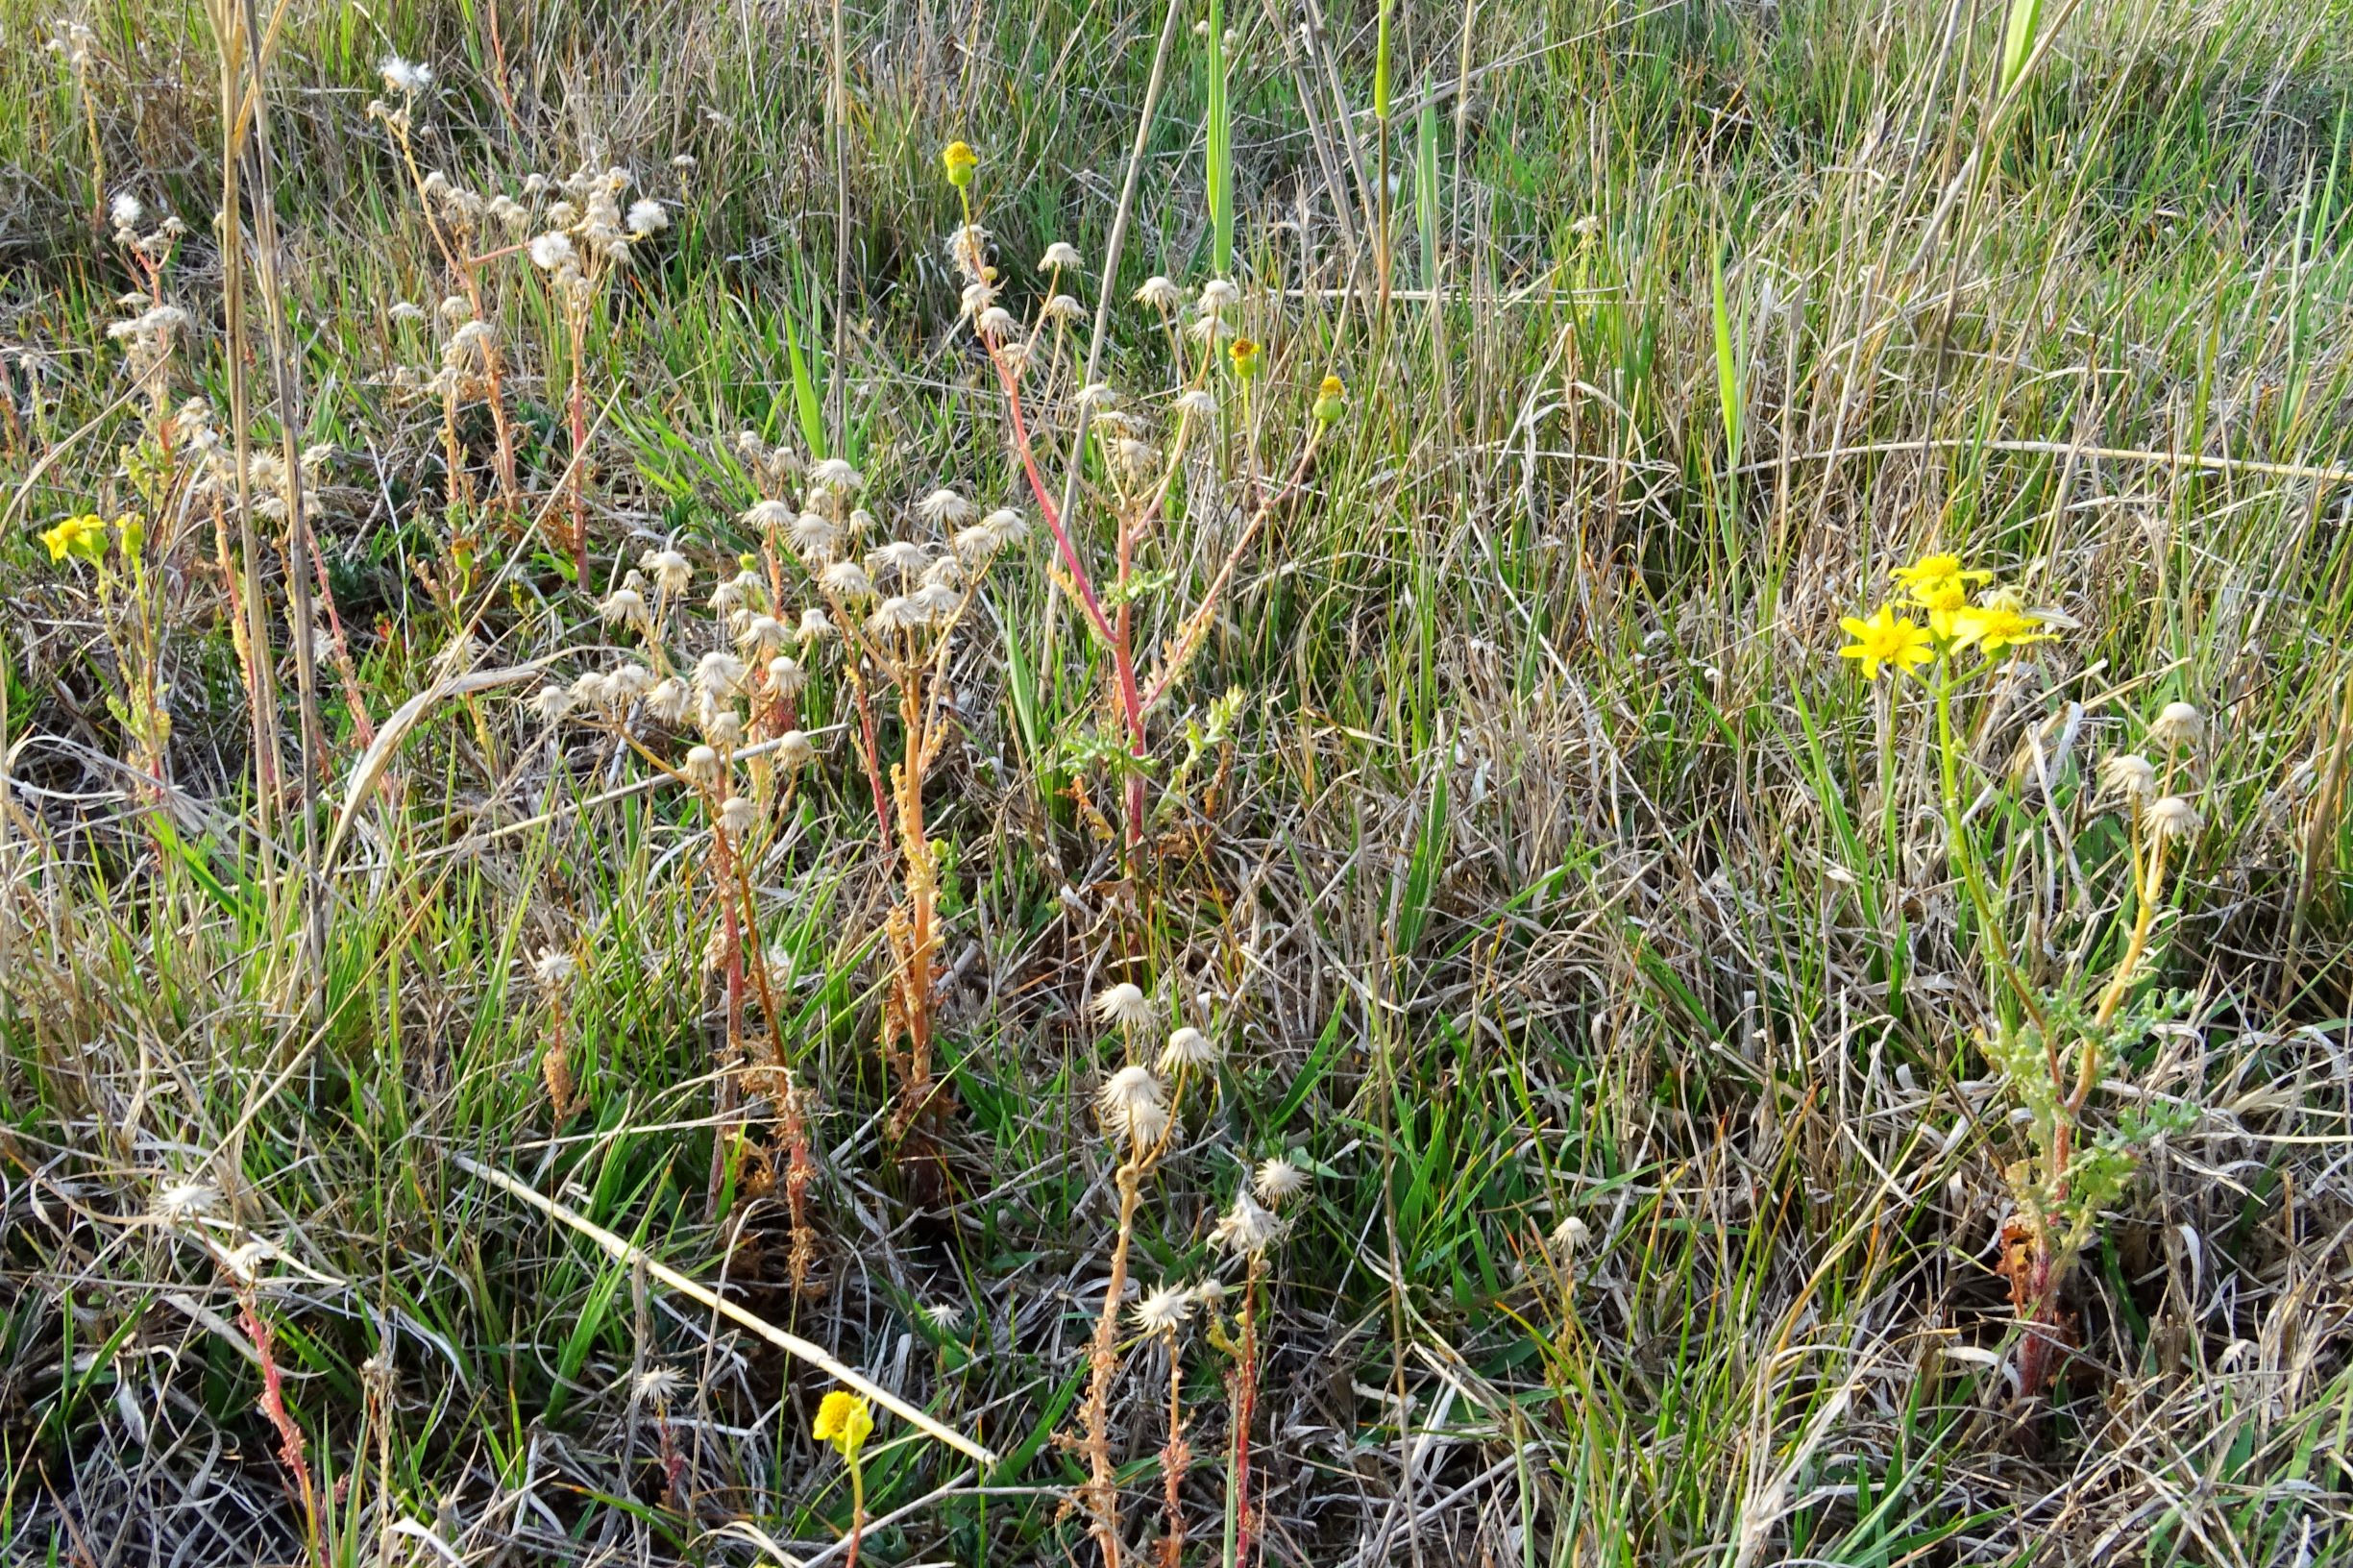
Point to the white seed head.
(903, 556)
(765, 515)
(702, 767)
(1124, 1004)
(2174, 818)
(1571, 1234)
(722, 727)
(845, 580)
(947, 1316)
(623, 604)
(935, 601)
(785, 675)
(794, 749)
(177, 1203)
(1218, 294)
(670, 701)
(648, 218)
(404, 76)
(1159, 293)
(1133, 1107)
(2128, 777)
(552, 701)
(736, 815)
(1198, 403)
(627, 681)
(126, 210)
(815, 537)
(816, 626)
(1059, 254)
(945, 508)
(898, 613)
(836, 474)
(763, 636)
(1188, 1048)
(2178, 724)
(1163, 1311)
(1279, 1180)
(1062, 307)
(1248, 1228)
(553, 968)
(996, 324)
(719, 673)
(552, 251)
(673, 574)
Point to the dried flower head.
(794, 749)
(1159, 293)
(719, 673)
(1188, 1048)
(406, 77)
(1218, 294)
(1163, 1311)
(2129, 776)
(786, 675)
(177, 1203)
(702, 767)
(1132, 1106)
(736, 815)
(1125, 1005)
(1248, 1228)
(945, 508)
(845, 580)
(816, 626)
(2174, 818)
(553, 968)
(670, 701)
(672, 572)
(2178, 724)
(1059, 256)
(1278, 1180)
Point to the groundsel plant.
(2051, 1036)
(1140, 1110)
(1215, 427)
(714, 702)
(578, 232)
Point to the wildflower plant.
(1951, 633)
(1218, 430)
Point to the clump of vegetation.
(1098, 757)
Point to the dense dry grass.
(1559, 900)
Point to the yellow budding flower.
(1939, 582)
(961, 160)
(843, 1418)
(1885, 639)
(84, 536)
(1330, 400)
(1245, 354)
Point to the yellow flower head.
(1886, 638)
(844, 1420)
(84, 536)
(1939, 582)
(1330, 400)
(961, 160)
(1992, 628)
(1244, 353)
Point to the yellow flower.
(1939, 582)
(1330, 400)
(961, 161)
(1244, 353)
(1886, 638)
(844, 1420)
(1992, 628)
(84, 536)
